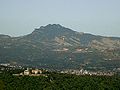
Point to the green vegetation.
(56, 81)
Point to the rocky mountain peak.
(51, 31)
(50, 26)
(54, 25)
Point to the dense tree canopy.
(56, 81)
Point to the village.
(37, 72)
(43, 72)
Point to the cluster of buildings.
(38, 72)
(28, 72)
(85, 72)
(31, 72)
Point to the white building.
(27, 72)
(36, 71)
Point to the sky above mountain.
(20, 17)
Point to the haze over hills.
(55, 46)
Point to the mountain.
(57, 47)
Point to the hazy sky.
(20, 17)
